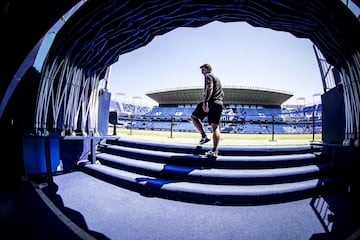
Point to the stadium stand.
(240, 115)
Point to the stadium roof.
(233, 95)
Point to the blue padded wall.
(333, 125)
(35, 155)
(103, 112)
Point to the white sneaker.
(211, 154)
(204, 140)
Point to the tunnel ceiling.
(100, 31)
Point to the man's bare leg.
(198, 125)
(216, 136)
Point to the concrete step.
(238, 176)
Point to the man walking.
(211, 107)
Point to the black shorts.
(214, 114)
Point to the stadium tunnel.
(98, 32)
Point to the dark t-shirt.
(218, 93)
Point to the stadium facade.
(233, 95)
(246, 110)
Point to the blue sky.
(241, 55)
